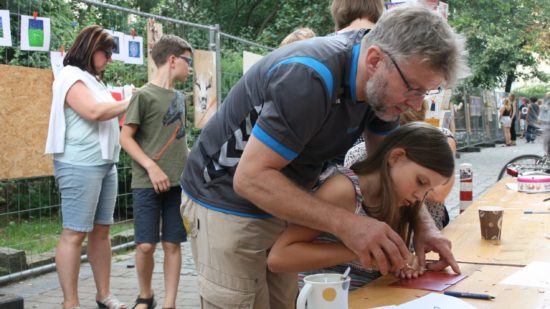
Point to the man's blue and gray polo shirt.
(298, 100)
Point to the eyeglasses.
(188, 60)
(411, 92)
(108, 53)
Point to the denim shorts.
(150, 208)
(88, 194)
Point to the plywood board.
(25, 101)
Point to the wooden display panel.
(25, 101)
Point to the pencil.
(469, 295)
(531, 212)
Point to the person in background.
(435, 200)
(522, 111)
(154, 136)
(531, 120)
(546, 125)
(505, 113)
(255, 162)
(298, 35)
(355, 14)
(389, 185)
(83, 136)
(514, 104)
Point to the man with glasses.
(256, 160)
(154, 136)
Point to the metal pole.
(173, 20)
(218, 65)
(144, 14)
(245, 41)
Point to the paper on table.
(535, 274)
(435, 300)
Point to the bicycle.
(527, 163)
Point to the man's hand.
(429, 239)
(375, 243)
(160, 181)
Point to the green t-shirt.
(159, 114)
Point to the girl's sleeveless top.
(359, 274)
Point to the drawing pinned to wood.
(204, 89)
(5, 33)
(35, 33)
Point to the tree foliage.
(502, 35)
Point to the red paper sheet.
(431, 281)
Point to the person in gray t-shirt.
(260, 155)
(531, 120)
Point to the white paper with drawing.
(5, 33)
(35, 33)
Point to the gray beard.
(374, 92)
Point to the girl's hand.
(411, 270)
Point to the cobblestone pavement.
(44, 291)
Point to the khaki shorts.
(230, 254)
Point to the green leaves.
(502, 35)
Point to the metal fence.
(30, 208)
(476, 119)
(30, 219)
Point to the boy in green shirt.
(154, 136)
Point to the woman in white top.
(83, 136)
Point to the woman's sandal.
(110, 302)
(150, 302)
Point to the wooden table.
(481, 279)
(523, 237)
(485, 262)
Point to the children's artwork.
(5, 33)
(35, 33)
(431, 280)
(119, 53)
(446, 121)
(443, 9)
(56, 60)
(204, 90)
(430, 3)
(392, 5)
(134, 49)
(119, 94)
(249, 59)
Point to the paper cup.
(490, 222)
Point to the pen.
(468, 295)
(530, 212)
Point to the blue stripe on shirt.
(226, 211)
(272, 143)
(315, 64)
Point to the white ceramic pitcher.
(324, 291)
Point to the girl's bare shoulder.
(338, 190)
